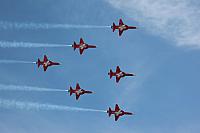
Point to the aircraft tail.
(74, 46)
(113, 27)
(109, 111)
(70, 91)
(111, 73)
(38, 63)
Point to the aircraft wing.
(116, 117)
(117, 107)
(45, 68)
(118, 69)
(81, 41)
(77, 97)
(118, 79)
(78, 86)
(120, 32)
(81, 51)
(121, 22)
(45, 58)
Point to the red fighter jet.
(46, 63)
(119, 74)
(121, 27)
(117, 112)
(82, 46)
(78, 91)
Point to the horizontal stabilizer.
(111, 73)
(70, 91)
(113, 27)
(38, 63)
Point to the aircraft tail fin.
(113, 27)
(74, 46)
(111, 73)
(70, 91)
(109, 111)
(38, 63)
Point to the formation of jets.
(78, 91)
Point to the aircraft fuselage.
(46, 63)
(83, 46)
(120, 74)
(122, 27)
(117, 113)
(78, 92)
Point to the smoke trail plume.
(5, 44)
(9, 104)
(15, 62)
(26, 88)
(36, 26)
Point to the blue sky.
(164, 94)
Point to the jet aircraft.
(117, 112)
(121, 27)
(46, 63)
(119, 74)
(78, 91)
(82, 46)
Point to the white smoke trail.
(15, 61)
(36, 26)
(26, 88)
(5, 44)
(9, 104)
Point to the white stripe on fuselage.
(83, 46)
(78, 92)
(122, 27)
(120, 74)
(118, 113)
(46, 63)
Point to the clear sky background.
(163, 53)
